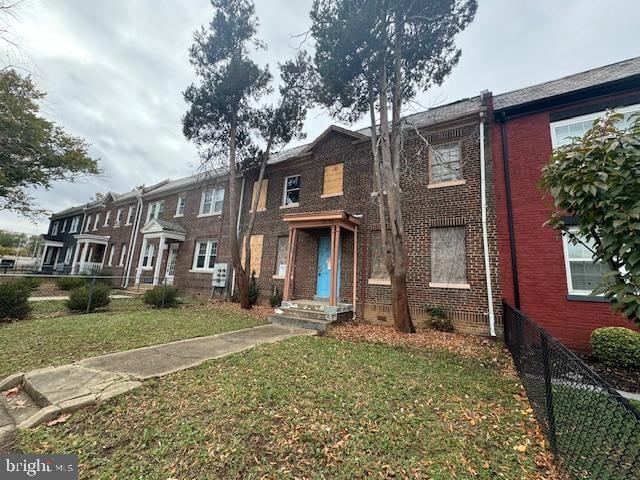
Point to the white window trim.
(54, 229)
(112, 251)
(149, 265)
(446, 183)
(118, 220)
(87, 225)
(107, 218)
(96, 221)
(213, 203)
(585, 118)
(73, 228)
(129, 216)
(194, 268)
(183, 198)
(567, 268)
(68, 255)
(123, 255)
(155, 208)
(64, 226)
(284, 193)
(459, 286)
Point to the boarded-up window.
(448, 255)
(281, 260)
(256, 254)
(378, 268)
(262, 201)
(446, 164)
(333, 180)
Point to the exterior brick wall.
(540, 257)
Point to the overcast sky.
(114, 70)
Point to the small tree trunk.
(243, 289)
(400, 304)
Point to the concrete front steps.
(310, 314)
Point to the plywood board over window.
(448, 258)
(262, 201)
(256, 254)
(333, 178)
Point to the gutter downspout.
(233, 280)
(133, 239)
(485, 236)
(512, 234)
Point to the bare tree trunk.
(241, 275)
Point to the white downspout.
(233, 278)
(485, 236)
(133, 239)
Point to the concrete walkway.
(45, 393)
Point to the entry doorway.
(323, 282)
(171, 263)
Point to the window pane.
(293, 196)
(448, 255)
(586, 275)
(378, 267)
(445, 163)
(293, 182)
(200, 261)
(580, 251)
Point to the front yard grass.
(41, 342)
(312, 407)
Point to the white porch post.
(156, 273)
(75, 258)
(55, 260)
(141, 259)
(83, 255)
(44, 255)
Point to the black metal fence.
(593, 431)
(42, 296)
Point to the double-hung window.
(180, 206)
(54, 229)
(118, 217)
(445, 163)
(211, 202)
(155, 210)
(291, 194)
(67, 256)
(87, 225)
(583, 273)
(448, 257)
(205, 254)
(112, 251)
(75, 222)
(130, 214)
(107, 218)
(148, 258)
(64, 226)
(123, 255)
(97, 221)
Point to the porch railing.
(87, 268)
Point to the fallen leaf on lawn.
(60, 419)
(520, 448)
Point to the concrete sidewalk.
(45, 393)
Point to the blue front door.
(323, 285)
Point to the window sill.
(291, 205)
(259, 210)
(329, 195)
(147, 269)
(201, 270)
(457, 286)
(215, 214)
(128, 224)
(278, 277)
(450, 183)
(580, 297)
(178, 216)
(379, 281)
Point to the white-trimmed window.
(180, 206)
(87, 225)
(96, 222)
(281, 256)
(130, 214)
(583, 274)
(291, 190)
(118, 218)
(75, 223)
(155, 210)
(204, 257)
(112, 251)
(64, 226)
(107, 218)
(123, 254)
(211, 202)
(67, 255)
(445, 163)
(448, 257)
(148, 258)
(563, 130)
(54, 229)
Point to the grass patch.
(310, 408)
(635, 403)
(36, 343)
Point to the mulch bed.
(619, 378)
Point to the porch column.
(44, 255)
(291, 255)
(57, 257)
(355, 266)
(156, 272)
(75, 257)
(335, 242)
(83, 255)
(140, 259)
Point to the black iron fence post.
(164, 291)
(90, 297)
(548, 391)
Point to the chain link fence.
(592, 430)
(25, 296)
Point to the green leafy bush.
(440, 320)
(31, 282)
(616, 346)
(254, 290)
(14, 300)
(276, 297)
(69, 283)
(79, 298)
(155, 297)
